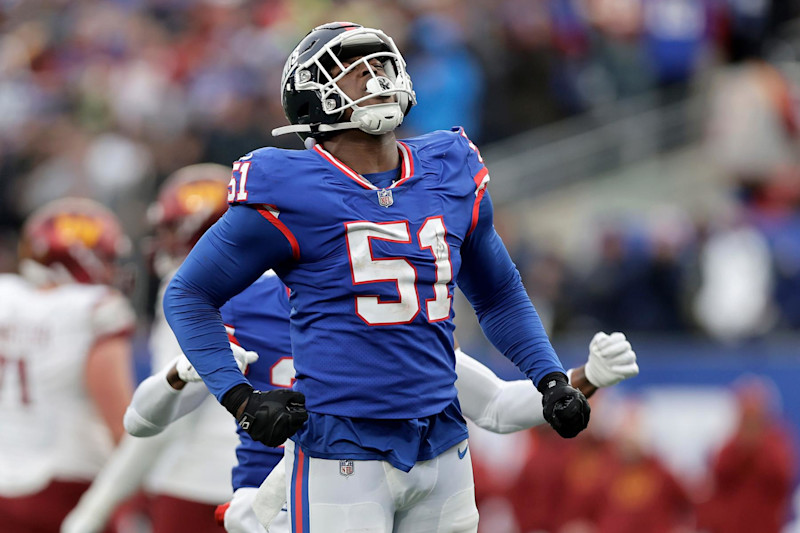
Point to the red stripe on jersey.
(349, 172)
(480, 182)
(407, 164)
(479, 177)
(271, 214)
(471, 145)
(476, 210)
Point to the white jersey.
(49, 427)
(196, 464)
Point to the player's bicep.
(234, 253)
(486, 265)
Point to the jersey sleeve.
(490, 281)
(250, 178)
(112, 315)
(231, 255)
(475, 169)
(492, 403)
(473, 159)
(258, 180)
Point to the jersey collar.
(406, 166)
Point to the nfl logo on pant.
(385, 198)
(346, 467)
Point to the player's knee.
(459, 513)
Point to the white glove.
(611, 359)
(188, 374)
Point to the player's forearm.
(199, 329)
(577, 378)
(517, 405)
(228, 258)
(494, 404)
(156, 404)
(514, 327)
(503, 406)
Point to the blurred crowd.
(730, 272)
(610, 481)
(106, 98)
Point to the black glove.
(565, 408)
(269, 417)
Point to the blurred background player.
(65, 362)
(751, 476)
(256, 319)
(186, 470)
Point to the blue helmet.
(311, 97)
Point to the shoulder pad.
(257, 176)
(112, 314)
(440, 141)
(454, 146)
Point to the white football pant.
(332, 496)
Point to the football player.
(65, 362)
(183, 496)
(257, 319)
(371, 234)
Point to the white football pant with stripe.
(332, 496)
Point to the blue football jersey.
(374, 270)
(258, 320)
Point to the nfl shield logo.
(346, 467)
(385, 197)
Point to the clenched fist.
(270, 417)
(611, 360)
(565, 408)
